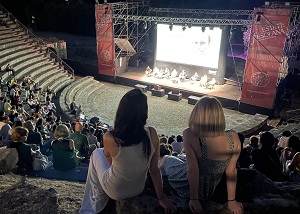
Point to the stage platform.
(228, 93)
(167, 116)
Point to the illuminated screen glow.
(191, 47)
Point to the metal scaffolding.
(133, 20)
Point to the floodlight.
(203, 29)
(171, 26)
(184, 27)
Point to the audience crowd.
(33, 127)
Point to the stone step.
(52, 83)
(63, 85)
(16, 49)
(9, 58)
(39, 70)
(12, 44)
(22, 65)
(12, 34)
(33, 69)
(55, 86)
(22, 58)
(80, 86)
(9, 40)
(65, 99)
(41, 77)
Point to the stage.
(228, 93)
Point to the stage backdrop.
(105, 39)
(264, 57)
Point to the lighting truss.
(184, 20)
(201, 11)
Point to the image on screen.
(191, 47)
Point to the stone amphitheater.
(29, 56)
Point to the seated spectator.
(266, 159)
(294, 168)
(64, 157)
(33, 136)
(245, 156)
(283, 141)
(163, 139)
(19, 136)
(7, 106)
(92, 139)
(80, 141)
(178, 144)
(5, 129)
(288, 154)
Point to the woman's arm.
(231, 175)
(295, 161)
(156, 175)
(111, 148)
(193, 170)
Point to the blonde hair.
(61, 131)
(18, 132)
(207, 118)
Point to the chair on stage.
(157, 91)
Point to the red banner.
(264, 57)
(105, 39)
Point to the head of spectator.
(179, 138)
(286, 133)
(294, 143)
(130, 120)
(61, 132)
(163, 140)
(17, 123)
(207, 118)
(29, 125)
(164, 150)
(266, 139)
(78, 127)
(170, 140)
(254, 141)
(19, 134)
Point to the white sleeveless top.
(127, 175)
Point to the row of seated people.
(279, 159)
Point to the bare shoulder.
(188, 134)
(108, 139)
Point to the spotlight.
(145, 25)
(258, 18)
(211, 27)
(189, 25)
(203, 29)
(184, 27)
(171, 26)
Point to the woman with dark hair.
(119, 170)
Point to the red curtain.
(105, 39)
(264, 57)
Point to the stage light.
(189, 25)
(267, 3)
(287, 3)
(171, 26)
(106, 10)
(184, 27)
(211, 27)
(145, 25)
(96, 1)
(258, 18)
(203, 29)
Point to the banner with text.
(105, 39)
(264, 57)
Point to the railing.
(40, 42)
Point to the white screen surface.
(191, 47)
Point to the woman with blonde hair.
(64, 157)
(210, 151)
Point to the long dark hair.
(130, 120)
